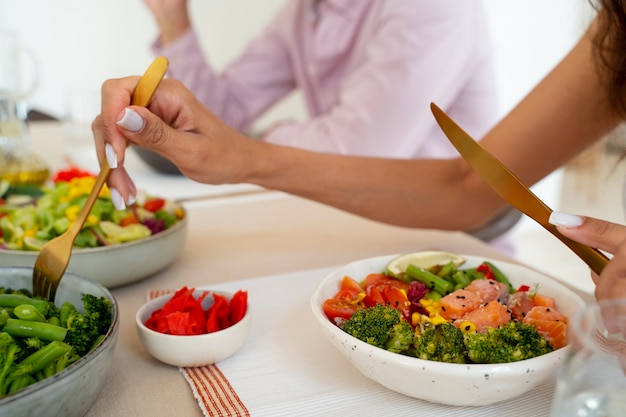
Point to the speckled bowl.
(445, 383)
(71, 392)
(188, 351)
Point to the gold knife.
(505, 183)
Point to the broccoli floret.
(99, 311)
(373, 324)
(441, 342)
(511, 342)
(400, 337)
(84, 329)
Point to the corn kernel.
(467, 327)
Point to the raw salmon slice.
(520, 304)
(492, 314)
(489, 290)
(550, 323)
(458, 303)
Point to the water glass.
(592, 379)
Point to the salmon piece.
(492, 314)
(543, 300)
(550, 324)
(520, 304)
(489, 290)
(458, 303)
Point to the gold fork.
(55, 255)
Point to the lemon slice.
(426, 259)
(34, 244)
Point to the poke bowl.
(74, 388)
(115, 247)
(465, 383)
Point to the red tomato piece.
(129, 219)
(396, 298)
(68, 174)
(238, 306)
(218, 314)
(154, 204)
(373, 296)
(339, 309)
(350, 284)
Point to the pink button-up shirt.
(367, 70)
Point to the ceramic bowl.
(190, 351)
(118, 264)
(445, 383)
(78, 385)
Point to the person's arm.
(171, 17)
(563, 115)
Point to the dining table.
(278, 247)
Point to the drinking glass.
(592, 379)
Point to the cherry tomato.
(154, 204)
(336, 308)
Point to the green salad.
(32, 215)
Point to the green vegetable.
(400, 337)
(32, 350)
(511, 342)
(83, 329)
(14, 300)
(432, 281)
(28, 312)
(373, 325)
(27, 328)
(442, 343)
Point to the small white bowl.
(191, 351)
(445, 383)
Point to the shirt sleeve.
(416, 53)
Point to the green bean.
(64, 313)
(446, 269)
(4, 316)
(45, 356)
(27, 328)
(28, 312)
(14, 300)
(55, 321)
(432, 295)
(431, 280)
(460, 279)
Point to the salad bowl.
(118, 264)
(115, 247)
(439, 382)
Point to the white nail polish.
(117, 199)
(131, 121)
(131, 200)
(558, 218)
(111, 156)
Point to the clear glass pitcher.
(18, 79)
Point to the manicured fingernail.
(131, 121)
(558, 218)
(117, 199)
(110, 154)
(131, 200)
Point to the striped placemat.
(215, 395)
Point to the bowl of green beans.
(54, 355)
